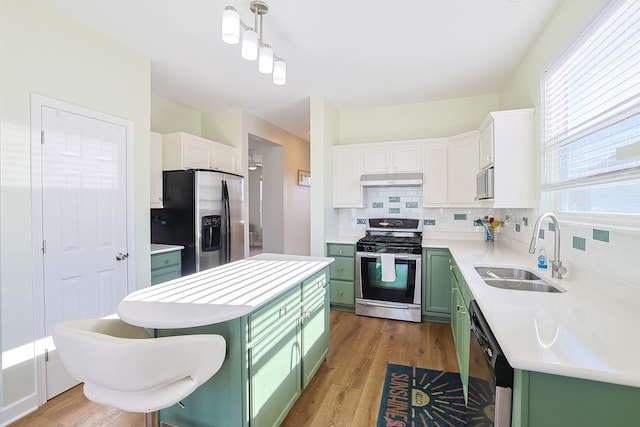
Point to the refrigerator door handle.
(227, 221)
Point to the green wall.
(44, 52)
(168, 116)
(432, 119)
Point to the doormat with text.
(418, 397)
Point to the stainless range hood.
(391, 179)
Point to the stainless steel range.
(389, 267)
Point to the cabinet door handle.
(283, 311)
(459, 309)
(340, 251)
(341, 269)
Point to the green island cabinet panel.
(274, 360)
(166, 266)
(343, 275)
(436, 289)
(272, 353)
(557, 401)
(315, 325)
(461, 324)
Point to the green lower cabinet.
(166, 266)
(343, 275)
(342, 294)
(460, 326)
(436, 289)
(557, 401)
(272, 354)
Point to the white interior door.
(84, 223)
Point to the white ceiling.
(355, 53)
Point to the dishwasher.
(490, 376)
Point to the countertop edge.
(145, 313)
(159, 248)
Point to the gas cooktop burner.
(392, 236)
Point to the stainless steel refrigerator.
(202, 212)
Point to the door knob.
(121, 257)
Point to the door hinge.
(46, 354)
(42, 137)
(44, 246)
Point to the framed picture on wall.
(304, 178)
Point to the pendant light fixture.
(253, 45)
(252, 165)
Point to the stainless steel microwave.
(484, 184)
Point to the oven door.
(406, 288)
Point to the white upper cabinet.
(434, 161)
(504, 141)
(509, 137)
(486, 144)
(463, 166)
(155, 170)
(392, 158)
(347, 169)
(184, 151)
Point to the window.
(591, 117)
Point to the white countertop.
(157, 248)
(345, 240)
(219, 294)
(583, 332)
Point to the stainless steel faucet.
(557, 270)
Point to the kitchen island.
(273, 311)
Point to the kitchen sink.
(507, 273)
(522, 285)
(515, 279)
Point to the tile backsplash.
(406, 202)
(609, 251)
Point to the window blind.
(591, 104)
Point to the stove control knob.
(489, 352)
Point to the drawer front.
(275, 316)
(342, 293)
(164, 275)
(343, 269)
(314, 286)
(166, 259)
(334, 249)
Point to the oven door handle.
(377, 255)
(385, 304)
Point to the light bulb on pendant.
(265, 59)
(230, 25)
(279, 72)
(250, 45)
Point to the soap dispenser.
(542, 258)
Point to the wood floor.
(346, 391)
